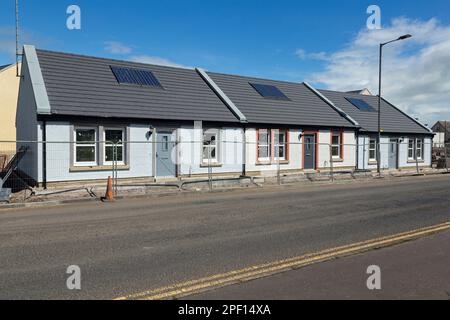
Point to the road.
(134, 245)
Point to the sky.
(326, 43)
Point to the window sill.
(373, 162)
(414, 161)
(338, 160)
(268, 163)
(212, 165)
(97, 168)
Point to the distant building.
(364, 92)
(9, 92)
(442, 131)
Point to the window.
(336, 145)
(264, 145)
(85, 147)
(372, 150)
(419, 149)
(411, 147)
(361, 105)
(210, 146)
(111, 137)
(135, 76)
(273, 145)
(269, 92)
(280, 139)
(415, 149)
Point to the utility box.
(5, 195)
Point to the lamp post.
(406, 36)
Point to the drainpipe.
(44, 155)
(244, 152)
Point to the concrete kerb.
(224, 186)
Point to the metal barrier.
(64, 167)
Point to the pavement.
(131, 246)
(415, 270)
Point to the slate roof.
(304, 107)
(393, 120)
(82, 85)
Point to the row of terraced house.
(164, 122)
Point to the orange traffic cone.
(109, 193)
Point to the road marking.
(263, 270)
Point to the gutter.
(230, 104)
(328, 101)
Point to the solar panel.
(135, 76)
(361, 104)
(268, 91)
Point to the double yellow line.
(254, 272)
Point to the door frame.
(397, 146)
(156, 132)
(315, 133)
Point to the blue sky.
(258, 38)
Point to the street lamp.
(406, 36)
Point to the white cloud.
(115, 47)
(156, 60)
(416, 72)
(303, 55)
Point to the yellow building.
(9, 92)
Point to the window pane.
(264, 137)
(281, 151)
(85, 135)
(85, 154)
(114, 136)
(109, 153)
(336, 139)
(263, 152)
(209, 153)
(335, 151)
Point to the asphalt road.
(134, 245)
(414, 270)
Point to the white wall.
(403, 162)
(59, 160)
(296, 152)
(190, 150)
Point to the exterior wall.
(296, 151)
(27, 127)
(190, 149)
(9, 93)
(59, 162)
(439, 139)
(403, 162)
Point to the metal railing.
(70, 166)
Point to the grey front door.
(393, 154)
(165, 166)
(309, 157)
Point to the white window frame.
(419, 151)
(373, 149)
(106, 143)
(277, 145)
(94, 144)
(267, 145)
(214, 160)
(411, 149)
(334, 145)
